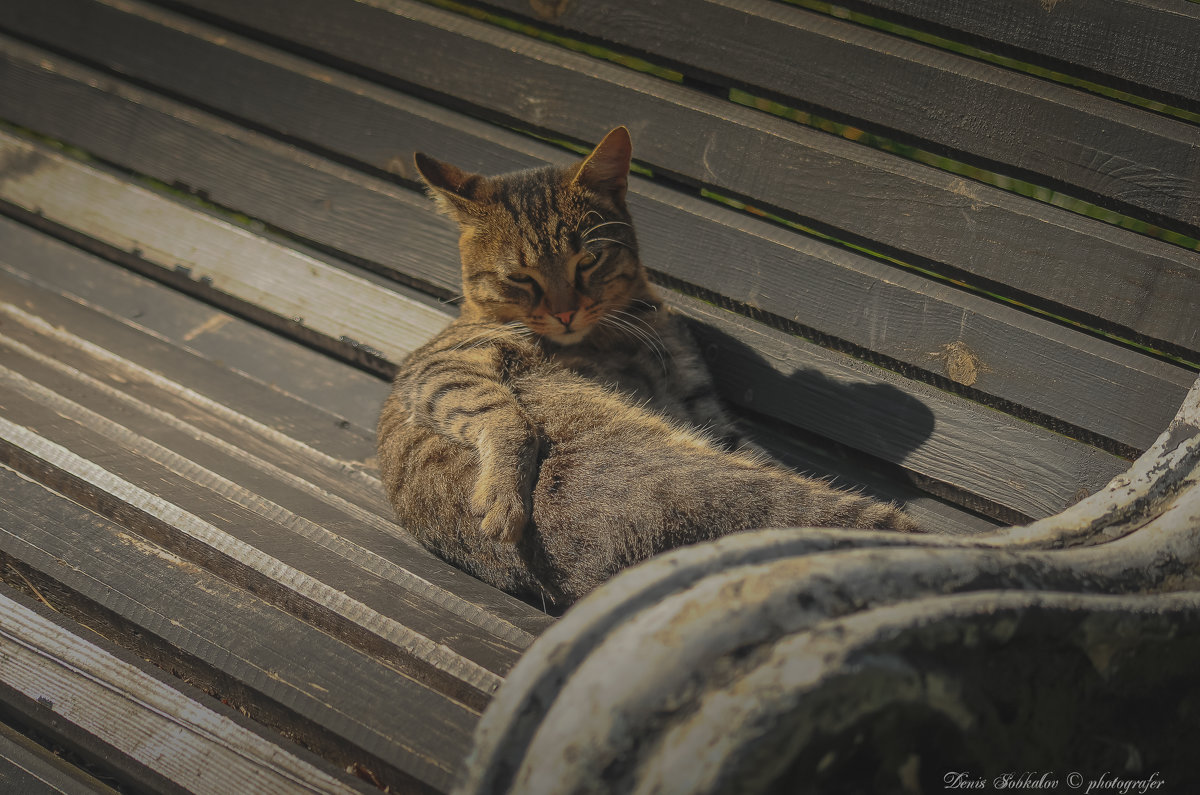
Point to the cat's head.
(552, 248)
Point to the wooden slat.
(1124, 158)
(1000, 241)
(29, 769)
(1050, 471)
(340, 702)
(310, 197)
(1148, 46)
(283, 280)
(348, 394)
(1091, 382)
(132, 712)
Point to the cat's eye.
(520, 278)
(586, 261)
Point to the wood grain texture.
(1121, 157)
(1066, 376)
(1147, 46)
(997, 240)
(342, 703)
(172, 236)
(271, 359)
(29, 769)
(963, 338)
(137, 715)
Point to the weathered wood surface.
(29, 769)
(890, 417)
(1148, 46)
(1072, 382)
(284, 672)
(786, 644)
(1119, 156)
(351, 395)
(995, 239)
(164, 736)
(851, 402)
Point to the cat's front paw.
(503, 510)
(503, 496)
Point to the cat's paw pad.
(503, 510)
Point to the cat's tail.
(802, 501)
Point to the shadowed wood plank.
(340, 702)
(1017, 465)
(29, 769)
(135, 714)
(1148, 46)
(1061, 374)
(1119, 156)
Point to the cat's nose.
(566, 317)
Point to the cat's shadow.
(779, 380)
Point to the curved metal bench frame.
(795, 656)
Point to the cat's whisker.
(607, 239)
(589, 214)
(606, 223)
(650, 329)
(655, 345)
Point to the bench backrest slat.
(1148, 46)
(944, 222)
(1121, 157)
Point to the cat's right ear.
(454, 190)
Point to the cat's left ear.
(606, 169)
(455, 191)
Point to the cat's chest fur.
(661, 370)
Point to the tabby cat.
(564, 426)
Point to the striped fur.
(565, 426)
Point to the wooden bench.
(948, 256)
